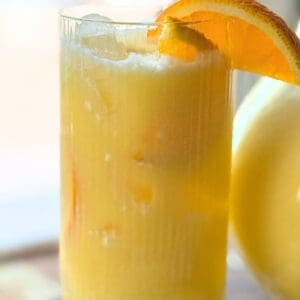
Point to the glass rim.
(66, 13)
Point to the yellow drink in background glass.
(145, 156)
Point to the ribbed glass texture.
(145, 164)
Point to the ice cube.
(94, 24)
(96, 33)
(135, 39)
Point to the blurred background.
(29, 137)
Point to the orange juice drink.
(145, 155)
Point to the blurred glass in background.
(29, 116)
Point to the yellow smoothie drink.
(146, 147)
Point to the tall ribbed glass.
(145, 165)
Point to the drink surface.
(146, 146)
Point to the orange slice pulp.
(181, 41)
(250, 35)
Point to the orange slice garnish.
(181, 41)
(250, 35)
